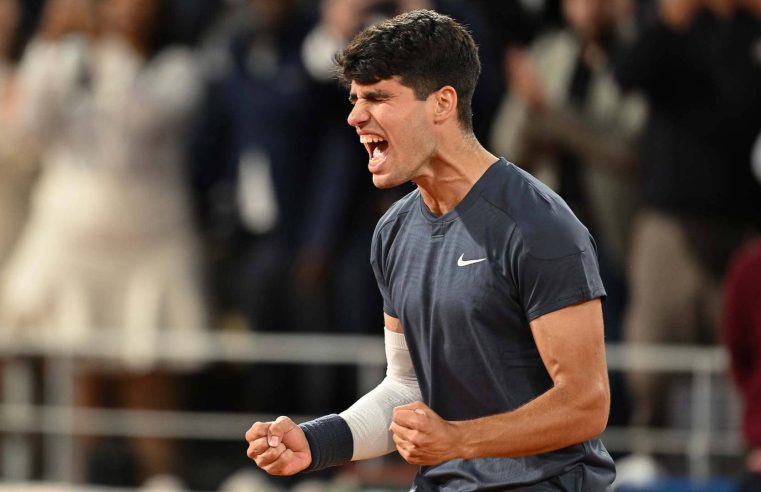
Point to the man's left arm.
(571, 344)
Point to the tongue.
(378, 153)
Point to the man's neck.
(452, 173)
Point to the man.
(486, 276)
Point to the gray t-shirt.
(465, 286)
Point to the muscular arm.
(575, 409)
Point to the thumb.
(279, 428)
(410, 406)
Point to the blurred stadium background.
(185, 220)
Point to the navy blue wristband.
(330, 441)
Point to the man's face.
(395, 128)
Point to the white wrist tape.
(370, 417)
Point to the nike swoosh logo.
(461, 262)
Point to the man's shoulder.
(398, 210)
(544, 224)
(389, 225)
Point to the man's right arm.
(370, 417)
(361, 432)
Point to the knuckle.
(274, 468)
(263, 461)
(254, 430)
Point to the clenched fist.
(422, 437)
(279, 447)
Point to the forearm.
(602, 146)
(558, 418)
(362, 431)
(370, 417)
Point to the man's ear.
(445, 100)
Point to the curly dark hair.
(425, 49)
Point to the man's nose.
(357, 116)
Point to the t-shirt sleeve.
(377, 261)
(549, 284)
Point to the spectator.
(741, 320)
(109, 241)
(741, 329)
(699, 201)
(574, 127)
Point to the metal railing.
(59, 421)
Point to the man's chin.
(383, 182)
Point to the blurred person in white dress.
(110, 241)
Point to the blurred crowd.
(186, 165)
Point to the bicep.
(392, 323)
(571, 344)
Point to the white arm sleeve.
(370, 417)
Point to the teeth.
(371, 139)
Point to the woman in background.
(109, 242)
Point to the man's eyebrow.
(373, 95)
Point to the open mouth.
(377, 147)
